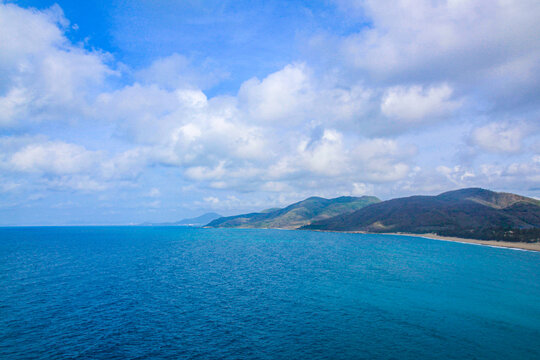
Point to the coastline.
(492, 243)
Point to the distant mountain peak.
(196, 221)
(199, 220)
(497, 200)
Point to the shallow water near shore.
(172, 292)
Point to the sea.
(188, 293)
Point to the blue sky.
(118, 112)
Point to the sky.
(121, 112)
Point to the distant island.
(471, 213)
(196, 221)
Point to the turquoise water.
(170, 293)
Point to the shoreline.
(492, 243)
(523, 246)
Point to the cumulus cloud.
(383, 160)
(344, 161)
(486, 55)
(500, 137)
(61, 165)
(294, 95)
(43, 75)
(325, 156)
(224, 142)
(441, 38)
(54, 158)
(458, 175)
(282, 95)
(352, 124)
(244, 142)
(415, 103)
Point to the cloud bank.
(430, 96)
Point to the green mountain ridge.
(470, 213)
(296, 215)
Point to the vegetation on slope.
(298, 214)
(469, 213)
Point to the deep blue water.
(170, 293)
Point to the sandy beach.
(505, 244)
(492, 243)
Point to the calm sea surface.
(173, 293)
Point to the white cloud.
(60, 165)
(522, 173)
(520, 176)
(361, 189)
(125, 165)
(355, 123)
(54, 158)
(12, 104)
(206, 173)
(294, 95)
(416, 103)
(251, 141)
(282, 95)
(144, 113)
(43, 75)
(489, 51)
(441, 37)
(182, 127)
(326, 156)
(500, 137)
(458, 175)
(382, 160)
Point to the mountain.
(297, 214)
(469, 213)
(196, 221)
(199, 220)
